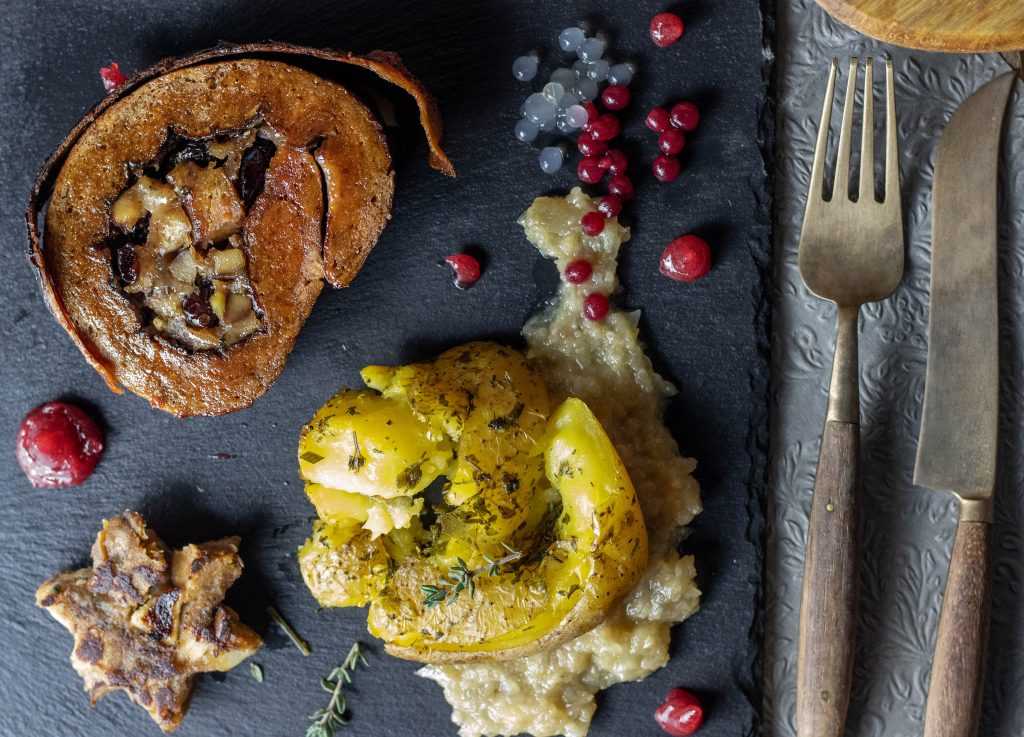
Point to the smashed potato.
(536, 517)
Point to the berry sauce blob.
(58, 445)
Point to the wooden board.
(936, 25)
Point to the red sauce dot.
(687, 259)
(671, 141)
(58, 445)
(592, 224)
(606, 127)
(681, 714)
(609, 206)
(595, 306)
(665, 168)
(590, 146)
(615, 96)
(112, 76)
(657, 120)
(684, 116)
(589, 170)
(615, 161)
(621, 186)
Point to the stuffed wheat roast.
(195, 216)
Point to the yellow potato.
(548, 500)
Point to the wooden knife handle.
(828, 610)
(954, 696)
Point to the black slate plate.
(708, 337)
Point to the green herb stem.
(289, 630)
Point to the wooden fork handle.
(954, 696)
(828, 610)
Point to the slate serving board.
(709, 338)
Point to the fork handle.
(828, 610)
(954, 696)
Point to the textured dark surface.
(908, 531)
(707, 337)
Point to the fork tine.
(818, 167)
(866, 189)
(892, 154)
(842, 182)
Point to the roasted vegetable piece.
(551, 498)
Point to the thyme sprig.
(461, 578)
(301, 644)
(326, 720)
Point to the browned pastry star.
(146, 619)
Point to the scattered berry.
(595, 306)
(58, 445)
(672, 141)
(621, 186)
(578, 271)
(589, 170)
(112, 76)
(606, 127)
(687, 258)
(465, 269)
(684, 116)
(666, 29)
(665, 168)
(592, 113)
(615, 162)
(592, 223)
(609, 206)
(657, 120)
(681, 714)
(590, 146)
(615, 96)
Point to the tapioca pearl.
(553, 91)
(549, 125)
(551, 159)
(598, 71)
(524, 68)
(564, 76)
(576, 116)
(591, 50)
(569, 99)
(526, 130)
(571, 38)
(580, 69)
(620, 74)
(587, 89)
(538, 108)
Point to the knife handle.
(954, 696)
(828, 610)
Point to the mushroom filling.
(177, 244)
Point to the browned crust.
(189, 384)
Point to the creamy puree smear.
(603, 363)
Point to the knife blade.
(956, 449)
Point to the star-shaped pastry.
(146, 619)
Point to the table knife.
(956, 449)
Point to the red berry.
(615, 161)
(58, 445)
(595, 306)
(465, 269)
(578, 271)
(687, 258)
(606, 127)
(621, 186)
(609, 206)
(672, 141)
(657, 120)
(112, 76)
(665, 168)
(592, 113)
(681, 714)
(666, 29)
(592, 223)
(615, 96)
(589, 170)
(590, 146)
(684, 116)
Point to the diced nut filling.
(177, 245)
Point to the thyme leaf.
(462, 578)
(335, 714)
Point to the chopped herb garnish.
(289, 630)
(460, 578)
(311, 457)
(356, 460)
(411, 476)
(335, 715)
